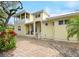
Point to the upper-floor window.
(37, 16)
(23, 15)
(60, 22)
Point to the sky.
(52, 7)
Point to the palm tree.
(73, 28)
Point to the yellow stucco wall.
(47, 31)
(61, 32)
(26, 28)
(23, 29)
(44, 16)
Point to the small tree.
(9, 8)
(7, 36)
(73, 28)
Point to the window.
(66, 21)
(38, 15)
(60, 22)
(19, 28)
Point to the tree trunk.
(7, 20)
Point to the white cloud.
(54, 11)
(72, 4)
(48, 10)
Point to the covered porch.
(33, 29)
(29, 29)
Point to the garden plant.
(7, 34)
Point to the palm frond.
(73, 28)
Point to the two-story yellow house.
(40, 23)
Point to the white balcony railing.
(19, 21)
(28, 21)
(24, 21)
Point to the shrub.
(8, 45)
(7, 39)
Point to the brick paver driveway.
(31, 47)
(42, 48)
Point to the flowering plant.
(2, 33)
(13, 33)
(7, 39)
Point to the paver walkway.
(32, 48)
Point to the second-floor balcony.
(23, 21)
(38, 19)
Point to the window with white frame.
(61, 22)
(37, 16)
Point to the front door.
(38, 27)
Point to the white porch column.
(25, 16)
(41, 30)
(30, 29)
(34, 28)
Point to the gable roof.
(64, 15)
(21, 12)
(41, 11)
